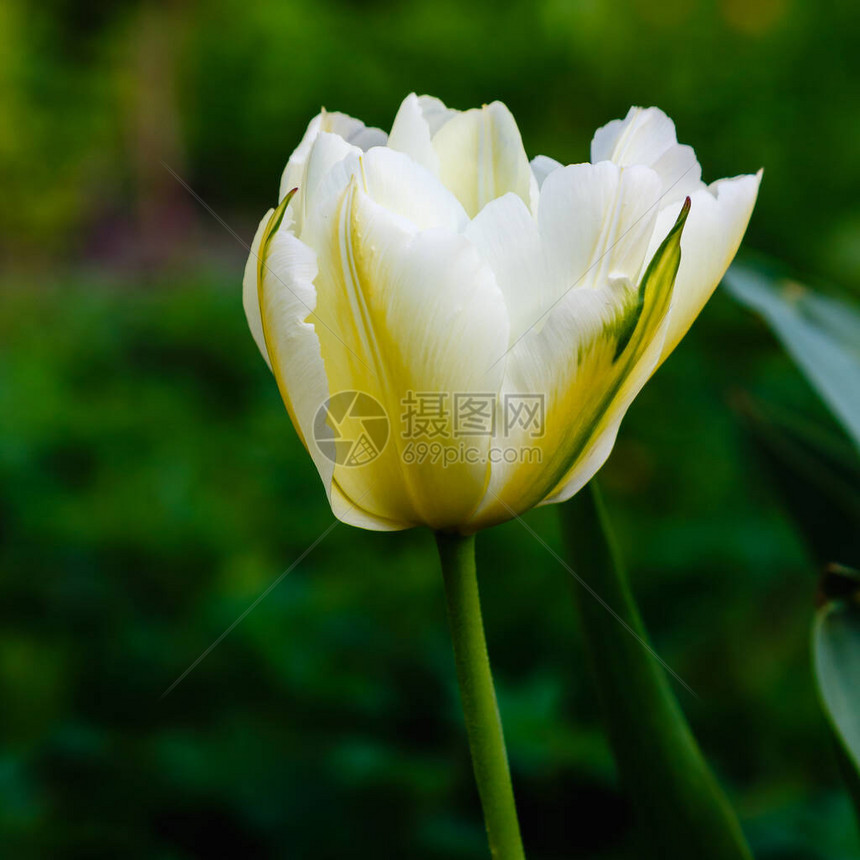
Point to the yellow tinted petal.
(418, 313)
(481, 157)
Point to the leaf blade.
(836, 650)
(820, 333)
(681, 808)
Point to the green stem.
(483, 723)
(681, 808)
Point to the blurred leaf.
(816, 471)
(836, 652)
(820, 333)
(681, 809)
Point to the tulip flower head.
(457, 332)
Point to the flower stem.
(481, 712)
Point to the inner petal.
(481, 157)
(647, 136)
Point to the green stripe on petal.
(610, 366)
(655, 293)
(269, 232)
(271, 228)
(662, 270)
(638, 329)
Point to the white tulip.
(438, 263)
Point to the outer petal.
(419, 311)
(647, 136)
(481, 157)
(634, 362)
(250, 298)
(718, 220)
(596, 350)
(719, 215)
(286, 269)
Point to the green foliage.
(152, 488)
(91, 101)
(818, 474)
(820, 333)
(680, 808)
(836, 652)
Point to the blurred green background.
(151, 486)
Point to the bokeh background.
(152, 488)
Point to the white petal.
(591, 354)
(647, 136)
(354, 514)
(418, 311)
(394, 181)
(366, 138)
(542, 166)
(507, 236)
(593, 227)
(481, 157)
(600, 449)
(715, 227)
(566, 364)
(327, 151)
(435, 112)
(411, 134)
(287, 299)
(352, 131)
(680, 173)
(713, 231)
(296, 162)
(596, 221)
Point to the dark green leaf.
(681, 809)
(836, 643)
(816, 471)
